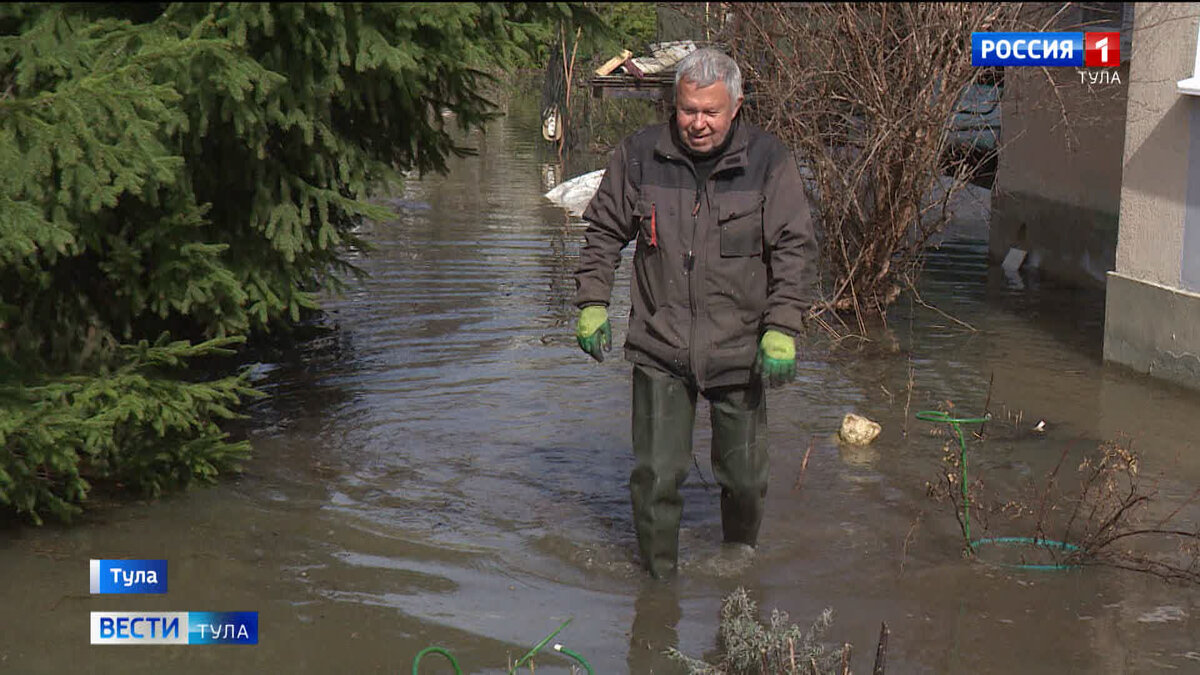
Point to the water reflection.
(656, 614)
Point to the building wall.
(1154, 192)
(1152, 313)
(1058, 180)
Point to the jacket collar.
(734, 156)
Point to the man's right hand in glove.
(594, 332)
(776, 358)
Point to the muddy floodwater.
(449, 469)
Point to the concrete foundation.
(1063, 240)
(1153, 329)
(1152, 309)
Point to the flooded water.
(448, 469)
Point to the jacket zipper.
(689, 264)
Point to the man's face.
(704, 114)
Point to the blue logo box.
(128, 576)
(1027, 49)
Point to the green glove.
(594, 332)
(776, 358)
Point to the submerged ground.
(447, 468)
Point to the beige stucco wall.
(1151, 323)
(1062, 138)
(1154, 190)
(1058, 179)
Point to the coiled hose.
(954, 422)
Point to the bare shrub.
(864, 94)
(1114, 518)
(1111, 516)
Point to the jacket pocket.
(741, 222)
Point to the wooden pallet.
(655, 85)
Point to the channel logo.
(1092, 50)
(1102, 50)
(128, 576)
(174, 628)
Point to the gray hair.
(705, 66)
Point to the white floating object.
(1041, 426)
(1012, 261)
(858, 430)
(575, 194)
(552, 124)
(1163, 614)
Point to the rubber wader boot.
(739, 458)
(664, 409)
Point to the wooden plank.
(653, 86)
(647, 94)
(612, 64)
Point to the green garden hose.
(538, 647)
(939, 416)
(1032, 541)
(577, 657)
(972, 544)
(440, 652)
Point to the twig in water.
(921, 302)
(987, 402)
(1050, 481)
(908, 397)
(907, 541)
(881, 651)
(804, 464)
(1174, 513)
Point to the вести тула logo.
(174, 628)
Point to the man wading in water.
(722, 276)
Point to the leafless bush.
(949, 489)
(864, 94)
(1112, 516)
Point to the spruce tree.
(179, 177)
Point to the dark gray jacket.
(713, 267)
